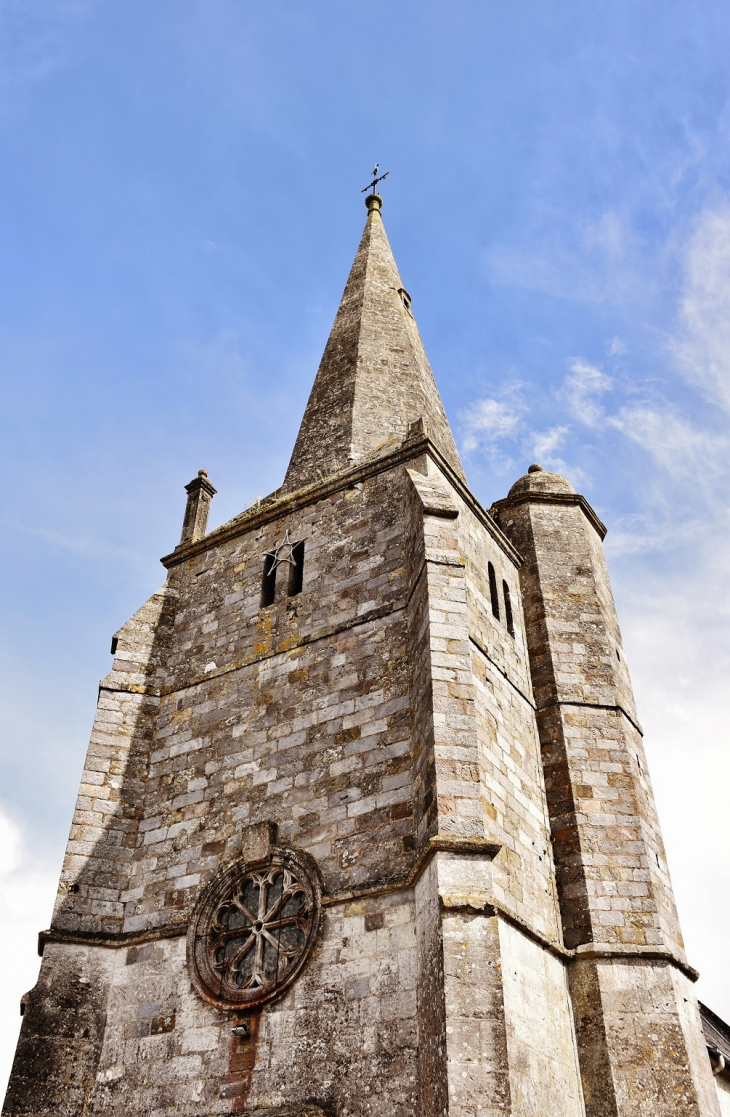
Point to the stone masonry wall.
(343, 1036)
(483, 766)
(296, 713)
(638, 1041)
(638, 1052)
(382, 708)
(104, 830)
(540, 1035)
(610, 860)
(512, 781)
(486, 775)
(64, 1025)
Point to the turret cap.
(539, 480)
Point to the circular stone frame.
(240, 958)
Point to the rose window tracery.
(253, 930)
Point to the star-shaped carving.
(283, 552)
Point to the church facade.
(365, 827)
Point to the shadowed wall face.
(361, 679)
(636, 1019)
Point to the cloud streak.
(27, 890)
(669, 552)
(701, 344)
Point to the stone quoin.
(365, 827)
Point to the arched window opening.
(296, 570)
(268, 584)
(406, 300)
(508, 609)
(493, 590)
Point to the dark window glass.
(493, 591)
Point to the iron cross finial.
(282, 552)
(371, 186)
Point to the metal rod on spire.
(371, 186)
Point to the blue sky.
(181, 204)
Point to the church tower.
(365, 827)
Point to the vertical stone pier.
(635, 1012)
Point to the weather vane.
(371, 186)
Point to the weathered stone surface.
(636, 1048)
(437, 718)
(200, 492)
(64, 1026)
(374, 379)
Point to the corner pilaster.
(629, 979)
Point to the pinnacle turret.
(374, 378)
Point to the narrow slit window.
(115, 641)
(268, 585)
(508, 609)
(493, 591)
(296, 570)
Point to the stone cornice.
(469, 847)
(633, 952)
(483, 651)
(500, 506)
(474, 847)
(275, 506)
(615, 707)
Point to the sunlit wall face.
(182, 200)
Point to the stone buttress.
(636, 1016)
(311, 870)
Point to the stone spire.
(374, 378)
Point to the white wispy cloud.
(27, 890)
(675, 626)
(488, 422)
(669, 556)
(545, 443)
(542, 447)
(675, 612)
(593, 260)
(609, 234)
(702, 341)
(687, 452)
(583, 388)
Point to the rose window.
(253, 930)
